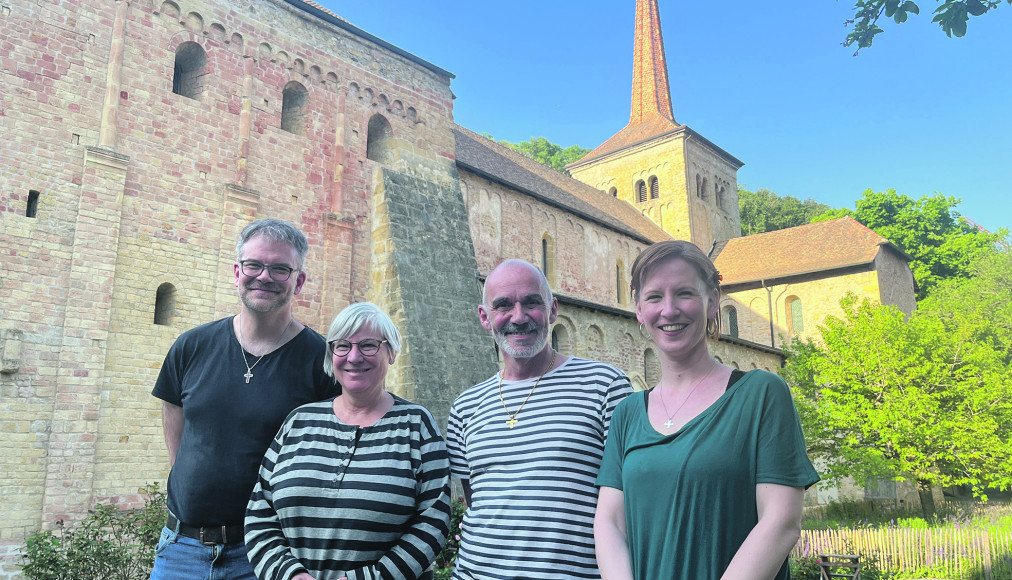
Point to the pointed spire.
(651, 93)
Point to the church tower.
(684, 183)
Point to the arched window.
(188, 72)
(651, 368)
(165, 304)
(378, 139)
(32, 208)
(795, 317)
(731, 316)
(560, 340)
(641, 191)
(620, 282)
(706, 184)
(293, 105)
(655, 189)
(699, 186)
(719, 191)
(613, 191)
(548, 257)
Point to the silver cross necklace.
(249, 367)
(670, 422)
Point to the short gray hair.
(546, 290)
(275, 230)
(353, 318)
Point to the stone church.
(140, 136)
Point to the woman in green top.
(703, 475)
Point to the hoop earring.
(643, 332)
(713, 328)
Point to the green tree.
(929, 229)
(926, 397)
(545, 152)
(951, 16)
(764, 211)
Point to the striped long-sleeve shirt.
(339, 500)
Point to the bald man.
(527, 443)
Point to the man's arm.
(172, 424)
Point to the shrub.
(108, 544)
(448, 555)
(807, 568)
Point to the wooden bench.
(840, 566)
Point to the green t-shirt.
(690, 496)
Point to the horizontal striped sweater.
(533, 495)
(340, 500)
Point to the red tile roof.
(500, 163)
(817, 247)
(321, 8)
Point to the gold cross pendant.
(512, 422)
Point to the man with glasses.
(226, 387)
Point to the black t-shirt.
(228, 423)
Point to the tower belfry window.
(641, 191)
(655, 189)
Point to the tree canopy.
(764, 211)
(926, 397)
(951, 15)
(545, 152)
(929, 229)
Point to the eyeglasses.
(277, 272)
(367, 347)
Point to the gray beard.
(522, 352)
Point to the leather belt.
(208, 535)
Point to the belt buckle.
(224, 538)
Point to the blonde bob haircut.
(352, 319)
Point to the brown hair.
(665, 251)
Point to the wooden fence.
(958, 553)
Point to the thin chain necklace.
(668, 424)
(249, 368)
(513, 416)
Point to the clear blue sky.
(769, 82)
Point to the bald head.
(512, 269)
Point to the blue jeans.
(181, 558)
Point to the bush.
(807, 568)
(448, 555)
(109, 544)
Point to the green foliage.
(926, 397)
(545, 152)
(951, 16)
(764, 211)
(808, 568)
(929, 229)
(109, 544)
(443, 567)
(912, 523)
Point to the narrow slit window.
(32, 208)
